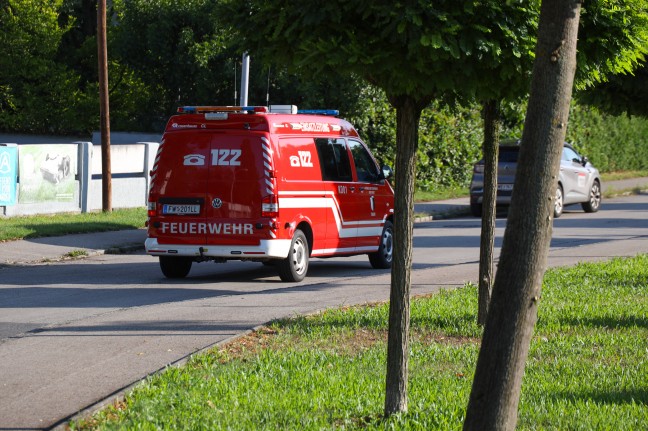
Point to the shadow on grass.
(374, 317)
(632, 396)
(611, 322)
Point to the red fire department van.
(249, 183)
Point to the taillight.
(269, 206)
(152, 211)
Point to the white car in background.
(579, 182)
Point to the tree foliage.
(613, 39)
(176, 51)
(624, 93)
(37, 93)
(375, 40)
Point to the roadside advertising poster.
(47, 173)
(8, 174)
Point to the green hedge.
(612, 143)
(450, 139)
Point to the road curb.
(124, 249)
(451, 213)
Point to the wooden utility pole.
(104, 111)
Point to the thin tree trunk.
(490, 150)
(513, 310)
(408, 113)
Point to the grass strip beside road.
(587, 368)
(622, 175)
(14, 228)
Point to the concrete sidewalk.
(124, 241)
(59, 247)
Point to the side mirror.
(387, 172)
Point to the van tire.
(175, 267)
(294, 267)
(382, 259)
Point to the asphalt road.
(75, 333)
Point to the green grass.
(440, 194)
(623, 175)
(76, 253)
(587, 367)
(63, 224)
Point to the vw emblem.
(217, 203)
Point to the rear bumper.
(502, 198)
(276, 249)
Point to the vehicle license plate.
(505, 187)
(180, 209)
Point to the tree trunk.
(490, 150)
(408, 113)
(104, 111)
(513, 310)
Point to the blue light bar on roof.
(332, 112)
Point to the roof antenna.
(245, 78)
(268, 91)
(235, 85)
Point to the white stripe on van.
(326, 251)
(346, 229)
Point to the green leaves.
(613, 39)
(420, 48)
(36, 91)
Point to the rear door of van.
(209, 187)
(179, 185)
(237, 183)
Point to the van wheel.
(175, 267)
(382, 259)
(294, 267)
